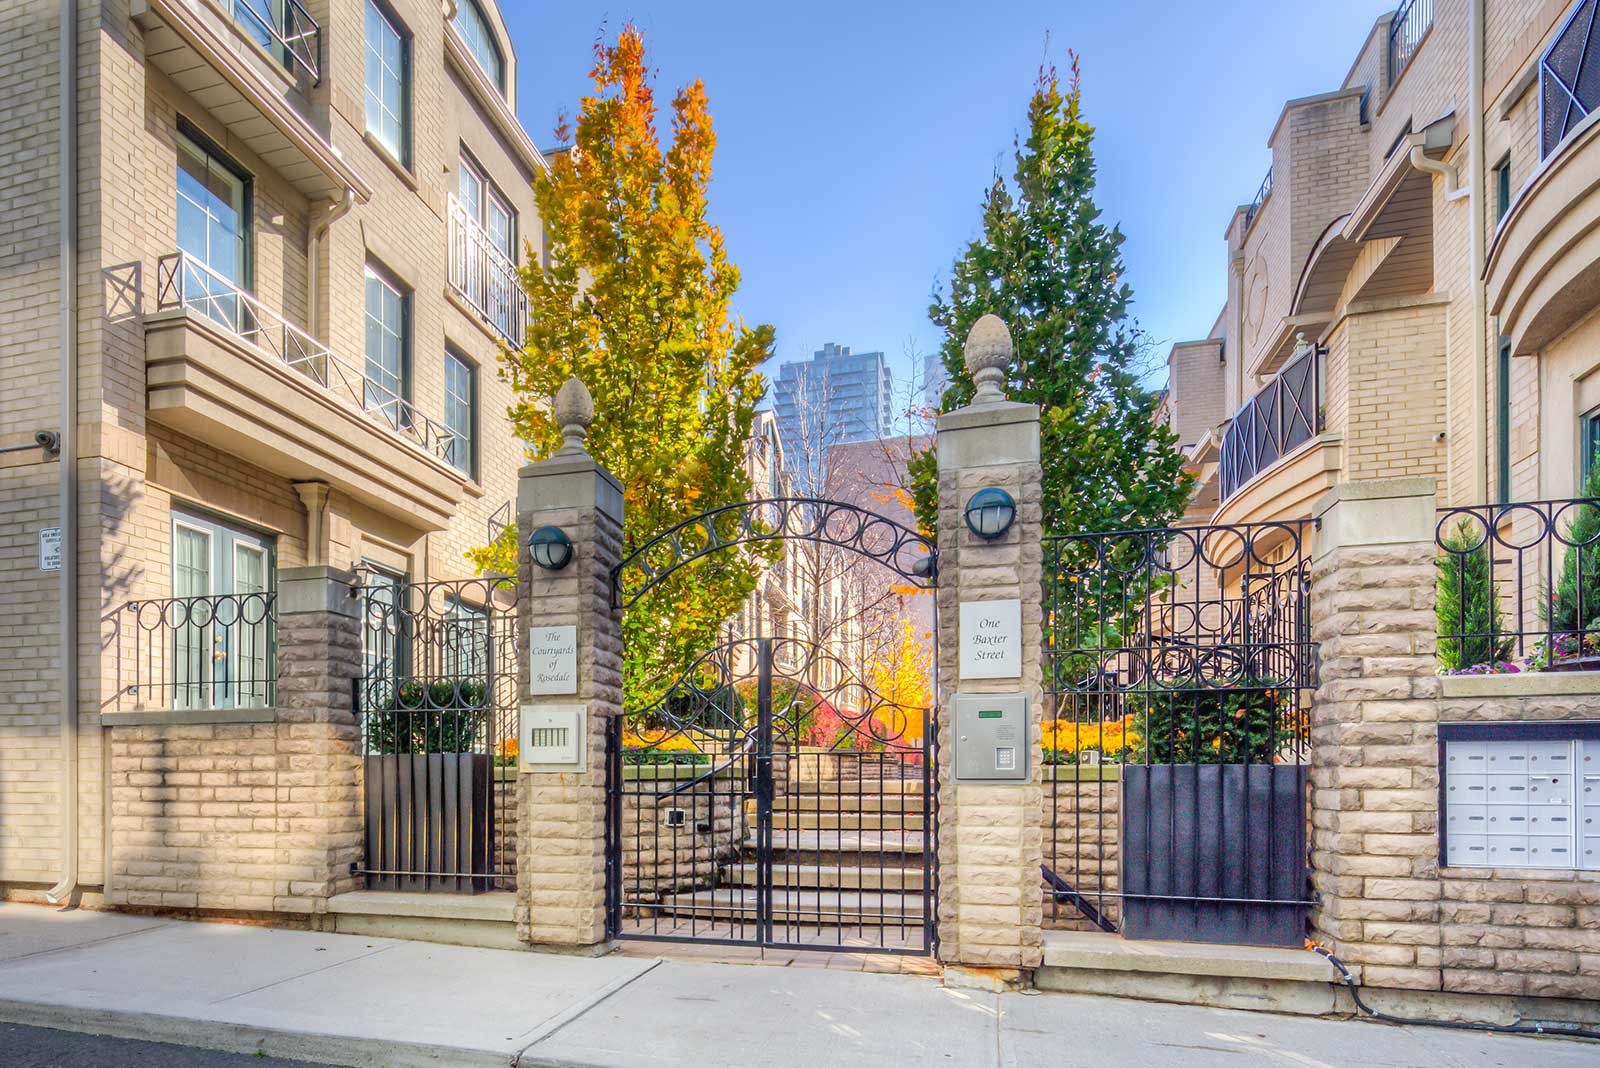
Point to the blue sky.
(855, 139)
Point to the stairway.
(846, 856)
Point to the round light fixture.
(550, 548)
(990, 513)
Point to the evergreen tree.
(1049, 267)
(1470, 626)
(1576, 605)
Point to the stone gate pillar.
(561, 858)
(991, 837)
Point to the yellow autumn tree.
(635, 301)
(899, 675)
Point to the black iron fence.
(437, 697)
(1519, 586)
(1285, 415)
(1262, 193)
(1411, 23)
(195, 652)
(1179, 671)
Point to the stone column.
(318, 782)
(991, 836)
(561, 856)
(1374, 731)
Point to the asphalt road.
(36, 1047)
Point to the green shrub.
(1470, 626)
(1249, 721)
(438, 716)
(1575, 607)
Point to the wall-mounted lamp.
(550, 548)
(990, 513)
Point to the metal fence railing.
(1519, 586)
(195, 652)
(183, 281)
(486, 277)
(1179, 672)
(1410, 25)
(1283, 416)
(286, 29)
(1262, 193)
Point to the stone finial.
(988, 354)
(573, 411)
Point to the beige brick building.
(292, 241)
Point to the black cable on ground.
(1553, 1029)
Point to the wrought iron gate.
(437, 704)
(770, 796)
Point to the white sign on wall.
(553, 660)
(50, 549)
(991, 639)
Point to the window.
(486, 207)
(1569, 76)
(466, 641)
(1589, 432)
(1515, 795)
(461, 412)
(1503, 420)
(473, 26)
(388, 84)
(213, 214)
(388, 386)
(222, 646)
(1502, 188)
(385, 650)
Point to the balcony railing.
(1254, 209)
(1519, 587)
(195, 652)
(1569, 76)
(1411, 24)
(182, 281)
(486, 277)
(285, 29)
(1276, 421)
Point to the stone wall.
(663, 852)
(1082, 832)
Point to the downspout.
(67, 147)
(319, 230)
(1478, 251)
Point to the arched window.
(473, 26)
(1569, 76)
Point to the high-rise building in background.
(934, 381)
(836, 396)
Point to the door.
(222, 624)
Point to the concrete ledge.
(485, 920)
(1522, 684)
(187, 717)
(1229, 977)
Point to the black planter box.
(430, 812)
(1215, 853)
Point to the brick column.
(991, 837)
(1374, 732)
(318, 820)
(561, 859)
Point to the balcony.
(254, 72)
(223, 368)
(485, 278)
(1276, 423)
(1410, 25)
(1262, 194)
(194, 655)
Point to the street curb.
(247, 1039)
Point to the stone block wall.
(1082, 836)
(659, 858)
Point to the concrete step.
(830, 877)
(485, 920)
(908, 842)
(849, 802)
(847, 821)
(852, 787)
(788, 906)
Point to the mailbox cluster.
(1515, 803)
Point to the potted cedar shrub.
(1469, 622)
(1573, 610)
(430, 788)
(1213, 835)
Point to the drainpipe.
(319, 230)
(1480, 216)
(67, 131)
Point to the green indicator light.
(991, 714)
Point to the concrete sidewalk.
(344, 999)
